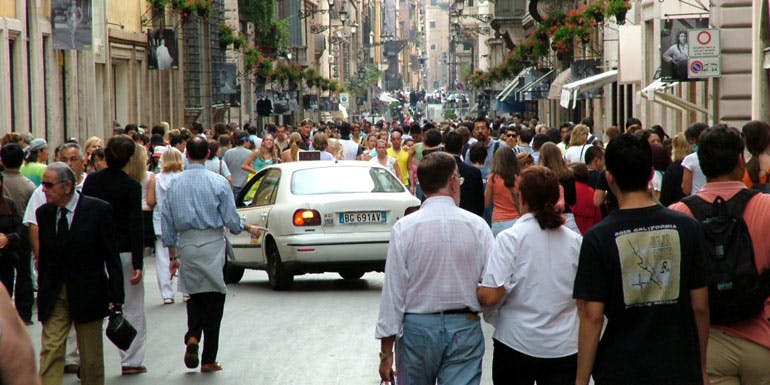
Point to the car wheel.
(233, 274)
(351, 275)
(279, 278)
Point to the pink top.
(502, 199)
(757, 220)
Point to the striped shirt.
(198, 199)
(435, 259)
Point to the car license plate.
(354, 217)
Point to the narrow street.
(319, 333)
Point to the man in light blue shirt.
(198, 205)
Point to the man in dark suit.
(472, 189)
(76, 246)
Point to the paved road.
(319, 333)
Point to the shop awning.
(564, 77)
(570, 91)
(655, 92)
(514, 84)
(538, 88)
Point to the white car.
(322, 216)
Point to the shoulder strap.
(733, 207)
(698, 206)
(494, 149)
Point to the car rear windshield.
(336, 180)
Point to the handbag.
(119, 330)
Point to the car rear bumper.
(334, 249)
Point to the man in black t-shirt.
(642, 267)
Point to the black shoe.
(191, 355)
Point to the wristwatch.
(385, 355)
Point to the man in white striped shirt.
(429, 304)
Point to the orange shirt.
(502, 199)
(758, 221)
(747, 179)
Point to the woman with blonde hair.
(173, 164)
(335, 148)
(550, 156)
(577, 144)
(671, 186)
(137, 169)
(265, 155)
(291, 153)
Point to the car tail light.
(306, 217)
(410, 210)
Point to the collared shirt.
(434, 263)
(538, 317)
(71, 205)
(198, 199)
(38, 199)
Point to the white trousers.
(133, 310)
(161, 270)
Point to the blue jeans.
(444, 348)
(500, 226)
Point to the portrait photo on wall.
(674, 47)
(162, 52)
(72, 24)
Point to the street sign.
(706, 67)
(704, 59)
(344, 100)
(703, 43)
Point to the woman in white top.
(172, 167)
(530, 273)
(576, 152)
(137, 169)
(382, 158)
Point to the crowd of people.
(546, 231)
(616, 262)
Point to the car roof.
(308, 164)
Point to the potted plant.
(618, 8)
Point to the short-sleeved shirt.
(692, 163)
(757, 221)
(642, 263)
(33, 171)
(402, 157)
(610, 200)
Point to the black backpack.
(736, 291)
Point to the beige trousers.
(54, 341)
(736, 361)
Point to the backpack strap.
(733, 207)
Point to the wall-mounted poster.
(72, 24)
(674, 47)
(162, 52)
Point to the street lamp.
(343, 16)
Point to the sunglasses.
(512, 135)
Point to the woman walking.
(530, 273)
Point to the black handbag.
(119, 330)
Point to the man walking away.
(429, 307)
(235, 157)
(18, 189)
(738, 352)
(199, 204)
(643, 268)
